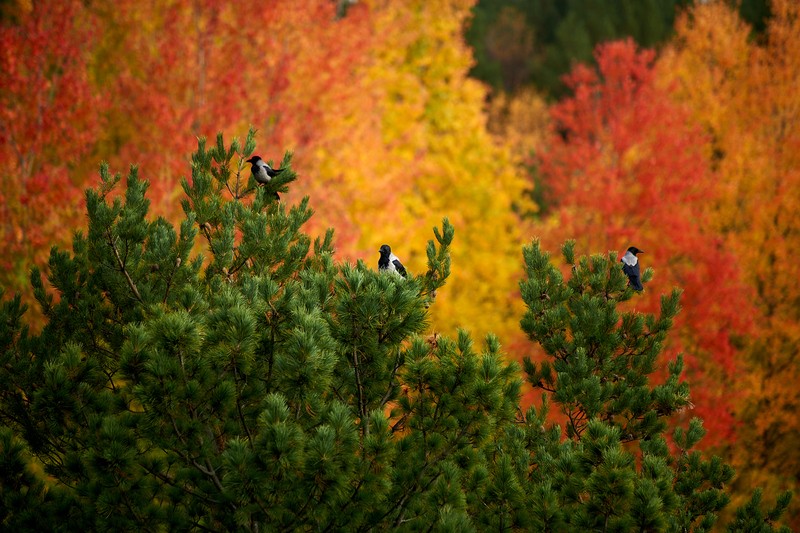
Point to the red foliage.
(158, 75)
(48, 122)
(625, 166)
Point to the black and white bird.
(630, 265)
(388, 261)
(262, 172)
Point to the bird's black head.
(253, 160)
(634, 250)
(385, 250)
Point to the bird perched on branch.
(262, 172)
(630, 265)
(388, 261)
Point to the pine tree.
(256, 385)
(615, 469)
(229, 374)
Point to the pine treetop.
(231, 374)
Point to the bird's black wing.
(400, 268)
(634, 276)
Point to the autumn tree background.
(668, 125)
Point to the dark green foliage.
(22, 491)
(615, 471)
(599, 359)
(562, 33)
(756, 13)
(244, 380)
(257, 384)
(752, 519)
(553, 35)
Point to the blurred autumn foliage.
(624, 166)
(387, 130)
(50, 121)
(745, 96)
(691, 152)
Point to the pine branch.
(171, 277)
(235, 269)
(122, 268)
(206, 233)
(400, 506)
(231, 191)
(360, 388)
(238, 179)
(239, 407)
(400, 424)
(207, 470)
(183, 486)
(390, 387)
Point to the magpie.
(262, 172)
(388, 261)
(630, 265)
